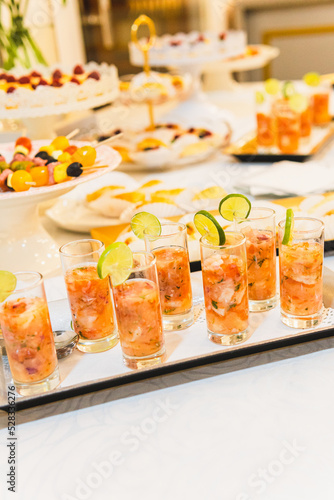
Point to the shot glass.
(171, 252)
(301, 270)
(224, 271)
(306, 118)
(260, 231)
(320, 104)
(265, 127)
(89, 296)
(288, 127)
(138, 313)
(28, 336)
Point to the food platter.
(187, 198)
(21, 232)
(246, 149)
(83, 373)
(170, 145)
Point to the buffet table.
(183, 434)
(246, 429)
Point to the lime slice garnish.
(312, 79)
(288, 89)
(7, 284)
(207, 226)
(259, 97)
(144, 221)
(117, 262)
(272, 86)
(298, 103)
(289, 223)
(234, 205)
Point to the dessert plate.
(83, 219)
(29, 101)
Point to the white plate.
(105, 156)
(82, 218)
(170, 157)
(23, 240)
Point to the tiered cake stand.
(191, 62)
(40, 109)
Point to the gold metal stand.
(145, 47)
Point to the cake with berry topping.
(55, 86)
(187, 47)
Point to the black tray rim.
(275, 157)
(232, 352)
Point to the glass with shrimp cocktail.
(171, 252)
(320, 102)
(224, 271)
(301, 270)
(28, 336)
(265, 125)
(260, 231)
(288, 126)
(138, 313)
(89, 296)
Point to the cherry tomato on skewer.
(21, 180)
(25, 142)
(85, 155)
(60, 142)
(40, 175)
(71, 149)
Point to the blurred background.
(100, 29)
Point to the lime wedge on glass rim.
(117, 262)
(7, 284)
(289, 223)
(272, 86)
(259, 97)
(312, 79)
(209, 227)
(234, 205)
(288, 89)
(145, 222)
(298, 103)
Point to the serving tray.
(84, 373)
(246, 149)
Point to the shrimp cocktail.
(321, 114)
(89, 296)
(265, 123)
(301, 253)
(319, 91)
(260, 231)
(306, 118)
(168, 243)
(224, 272)
(137, 304)
(288, 126)
(26, 327)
